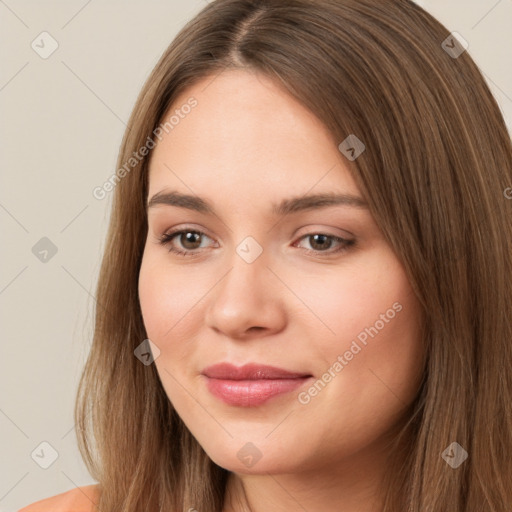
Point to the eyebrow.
(283, 208)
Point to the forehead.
(246, 134)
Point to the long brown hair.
(436, 171)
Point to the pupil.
(191, 237)
(322, 238)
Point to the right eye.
(188, 239)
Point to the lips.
(252, 384)
(249, 371)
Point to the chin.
(251, 460)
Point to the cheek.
(373, 335)
(383, 355)
(354, 302)
(371, 367)
(157, 305)
(167, 300)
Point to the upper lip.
(250, 371)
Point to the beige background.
(63, 118)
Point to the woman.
(305, 294)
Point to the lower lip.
(250, 393)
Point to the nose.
(248, 301)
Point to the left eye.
(322, 243)
(189, 240)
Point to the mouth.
(252, 384)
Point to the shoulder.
(79, 499)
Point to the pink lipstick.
(252, 384)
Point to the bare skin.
(245, 146)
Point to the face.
(310, 288)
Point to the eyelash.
(167, 238)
